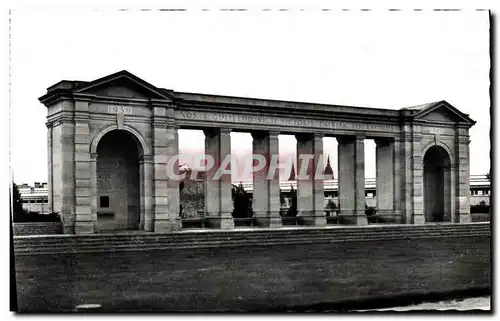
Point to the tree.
(282, 199)
(17, 203)
(292, 211)
(241, 202)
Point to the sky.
(376, 59)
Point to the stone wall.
(38, 228)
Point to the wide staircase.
(143, 241)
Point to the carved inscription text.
(283, 121)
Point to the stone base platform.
(286, 269)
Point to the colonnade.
(310, 182)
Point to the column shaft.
(351, 169)
(310, 190)
(218, 192)
(385, 180)
(266, 193)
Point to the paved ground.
(479, 303)
(258, 279)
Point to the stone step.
(242, 239)
(142, 242)
(106, 246)
(246, 233)
(212, 245)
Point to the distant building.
(35, 198)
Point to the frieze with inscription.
(282, 121)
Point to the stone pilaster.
(173, 191)
(50, 205)
(462, 176)
(147, 199)
(385, 180)
(93, 191)
(160, 184)
(351, 172)
(266, 193)
(84, 221)
(398, 180)
(218, 193)
(63, 163)
(417, 182)
(405, 156)
(310, 194)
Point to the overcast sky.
(375, 59)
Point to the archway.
(437, 185)
(118, 181)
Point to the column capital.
(217, 131)
(360, 137)
(383, 141)
(274, 132)
(305, 136)
(225, 131)
(318, 135)
(257, 134)
(345, 139)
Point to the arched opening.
(118, 181)
(437, 185)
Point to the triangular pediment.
(443, 112)
(122, 84)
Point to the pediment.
(441, 115)
(122, 85)
(443, 112)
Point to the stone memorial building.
(110, 139)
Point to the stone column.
(310, 190)
(385, 180)
(218, 197)
(84, 221)
(266, 192)
(351, 181)
(462, 181)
